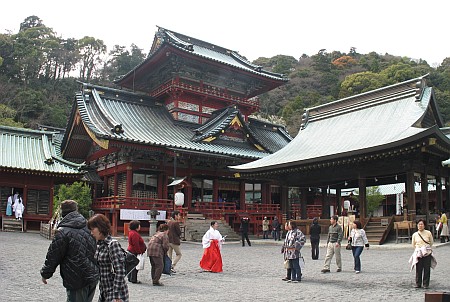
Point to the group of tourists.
(274, 228)
(88, 255)
(422, 241)
(14, 204)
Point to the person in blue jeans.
(358, 239)
(293, 243)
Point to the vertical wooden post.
(411, 195)
(362, 198)
(303, 203)
(424, 202)
(114, 222)
(115, 184)
(284, 198)
(215, 190)
(129, 189)
(339, 201)
(242, 195)
(447, 194)
(263, 194)
(188, 193)
(439, 204)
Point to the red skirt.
(212, 259)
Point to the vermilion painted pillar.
(215, 190)
(129, 189)
(242, 195)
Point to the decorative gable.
(228, 125)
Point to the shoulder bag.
(131, 261)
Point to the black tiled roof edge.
(188, 47)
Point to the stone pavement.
(250, 273)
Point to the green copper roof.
(32, 150)
(142, 120)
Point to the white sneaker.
(357, 272)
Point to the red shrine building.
(176, 121)
(30, 166)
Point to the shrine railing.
(262, 208)
(204, 90)
(226, 206)
(117, 202)
(311, 211)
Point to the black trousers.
(315, 250)
(423, 267)
(244, 235)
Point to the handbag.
(141, 264)
(349, 245)
(130, 259)
(301, 262)
(287, 264)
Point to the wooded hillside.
(39, 70)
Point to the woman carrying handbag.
(358, 240)
(136, 246)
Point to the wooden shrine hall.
(31, 165)
(183, 113)
(385, 136)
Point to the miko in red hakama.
(212, 259)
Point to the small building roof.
(32, 150)
(111, 114)
(373, 121)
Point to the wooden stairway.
(11, 224)
(378, 228)
(196, 226)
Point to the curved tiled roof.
(144, 121)
(32, 150)
(207, 51)
(367, 122)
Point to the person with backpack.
(111, 261)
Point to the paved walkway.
(250, 273)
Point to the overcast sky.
(254, 28)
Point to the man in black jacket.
(73, 248)
(244, 230)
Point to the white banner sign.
(128, 214)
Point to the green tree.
(7, 116)
(29, 104)
(78, 191)
(122, 61)
(374, 199)
(90, 50)
(30, 50)
(362, 82)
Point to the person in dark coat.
(174, 239)
(276, 229)
(136, 246)
(244, 230)
(73, 249)
(314, 232)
